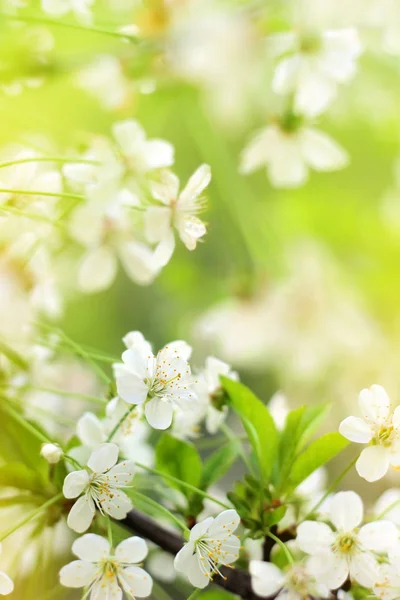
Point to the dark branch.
(234, 580)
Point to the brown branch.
(233, 580)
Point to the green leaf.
(217, 595)
(17, 475)
(312, 419)
(217, 464)
(317, 454)
(288, 443)
(258, 423)
(179, 459)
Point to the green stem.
(118, 425)
(76, 26)
(56, 159)
(51, 390)
(183, 484)
(387, 509)
(159, 593)
(109, 532)
(161, 509)
(22, 421)
(195, 594)
(236, 440)
(31, 516)
(29, 215)
(41, 193)
(283, 546)
(73, 462)
(330, 489)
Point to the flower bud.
(52, 453)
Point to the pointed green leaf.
(179, 459)
(217, 464)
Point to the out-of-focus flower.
(350, 549)
(80, 8)
(387, 585)
(278, 407)
(388, 504)
(379, 425)
(6, 584)
(101, 488)
(295, 582)
(107, 573)
(314, 67)
(105, 80)
(161, 565)
(178, 209)
(289, 153)
(162, 382)
(211, 544)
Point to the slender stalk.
(236, 440)
(42, 193)
(76, 26)
(29, 215)
(56, 159)
(183, 484)
(51, 390)
(195, 594)
(283, 546)
(330, 489)
(6, 406)
(161, 509)
(109, 532)
(387, 509)
(118, 425)
(31, 516)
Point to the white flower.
(52, 453)
(111, 236)
(6, 584)
(379, 427)
(349, 549)
(107, 573)
(100, 488)
(140, 154)
(59, 8)
(211, 544)
(387, 585)
(210, 392)
(162, 382)
(389, 504)
(105, 80)
(288, 154)
(316, 64)
(295, 583)
(278, 407)
(177, 209)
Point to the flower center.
(384, 435)
(298, 581)
(345, 543)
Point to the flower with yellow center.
(293, 583)
(107, 573)
(379, 427)
(349, 550)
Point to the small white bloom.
(52, 453)
(107, 573)
(105, 80)
(177, 209)
(100, 488)
(387, 585)
(59, 8)
(210, 392)
(289, 153)
(162, 382)
(295, 582)
(315, 66)
(278, 407)
(379, 427)
(349, 549)
(211, 544)
(140, 154)
(6, 584)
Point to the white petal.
(97, 270)
(157, 223)
(320, 152)
(258, 152)
(78, 574)
(396, 418)
(329, 569)
(128, 134)
(81, 514)
(166, 189)
(165, 250)
(364, 569)
(75, 483)
(90, 430)
(346, 41)
(103, 458)
(287, 167)
(316, 91)
(159, 413)
(314, 537)
(379, 536)
(196, 575)
(158, 154)
(266, 578)
(230, 549)
(183, 559)
(91, 548)
(224, 524)
(139, 262)
(131, 550)
(136, 359)
(346, 510)
(285, 76)
(200, 529)
(190, 229)
(373, 463)
(374, 404)
(356, 430)
(136, 582)
(132, 389)
(117, 504)
(6, 584)
(106, 589)
(390, 499)
(122, 474)
(196, 185)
